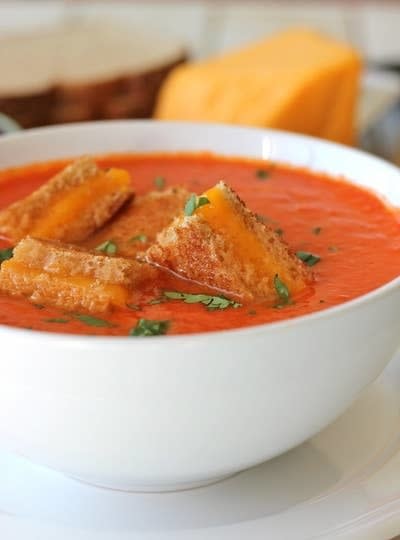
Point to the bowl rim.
(244, 331)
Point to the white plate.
(344, 483)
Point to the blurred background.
(70, 60)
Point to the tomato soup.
(352, 232)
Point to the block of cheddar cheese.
(70, 278)
(70, 206)
(298, 80)
(225, 246)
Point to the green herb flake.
(93, 321)
(133, 307)
(159, 182)
(38, 306)
(57, 320)
(5, 254)
(279, 231)
(262, 174)
(142, 238)
(282, 291)
(193, 203)
(159, 300)
(147, 327)
(108, 247)
(316, 230)
(333, 249)
(211, 302)
(308, 258)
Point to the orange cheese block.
(298, 80)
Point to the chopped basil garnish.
(108, 247)
(193, 203)
(38, 306)
(57, 320)
(5, 254)
(316, 230)
(159, 182)
(159, 300)
(139, 238)
(279, 231)
(133, 307)
(308, 258)
(146, 327)
(93, 321)
(262, 174)
(211, 302)
(282, 291)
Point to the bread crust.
(69, 260)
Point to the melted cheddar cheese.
(224, 219)
(72, 204)
(27, 281)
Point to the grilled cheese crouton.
(225, 246)
(139, 222)
(51, 273)
(70, 206)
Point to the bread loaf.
(83, 71)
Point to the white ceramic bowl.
(178, 411)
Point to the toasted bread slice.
(138, 224)
(51, 273)
(70, 206)
(225, 246)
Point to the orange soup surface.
(356, 236)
